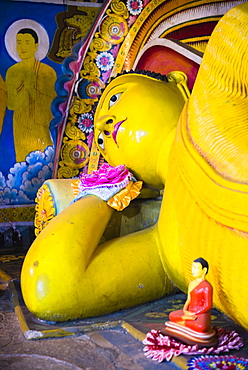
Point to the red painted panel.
(163, 60)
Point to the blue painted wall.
(11, 174)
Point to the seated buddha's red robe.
(201, 298)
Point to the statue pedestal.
(189, 336)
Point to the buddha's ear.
(205, 270)
(181, 80)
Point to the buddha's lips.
(116, 128)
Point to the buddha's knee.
(202, 324)
(175, 316)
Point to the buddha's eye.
(114, 99)
(100, 141)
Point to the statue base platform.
(189, 336)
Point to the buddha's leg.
(123, 272)
(65, 275)
(201, 324)
(176, 316)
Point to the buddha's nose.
(105, 124)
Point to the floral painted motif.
(45, 209)
(86, 122)
(134, 6)
(105, 61)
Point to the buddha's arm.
(67, 275)
(186, 304)
(3, 99)
(208, 301)
(46, 79)
(187, 315)
(15, 87)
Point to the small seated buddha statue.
(192, 324)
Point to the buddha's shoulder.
(14, 67)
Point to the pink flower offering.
(161, 347)
(105, 176)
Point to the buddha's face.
(197, 270)
(25, 45)
(134, 115)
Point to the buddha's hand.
(116, 185)
(189, 315)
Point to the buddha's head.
(134, 115)
(199, 268)
(26, 43)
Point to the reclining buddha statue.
(198, 151)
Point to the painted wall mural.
(30, 87)
(35, 39)
(72, 26)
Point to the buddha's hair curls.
(30, 32)
(141, 72)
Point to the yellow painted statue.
(202, 160)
